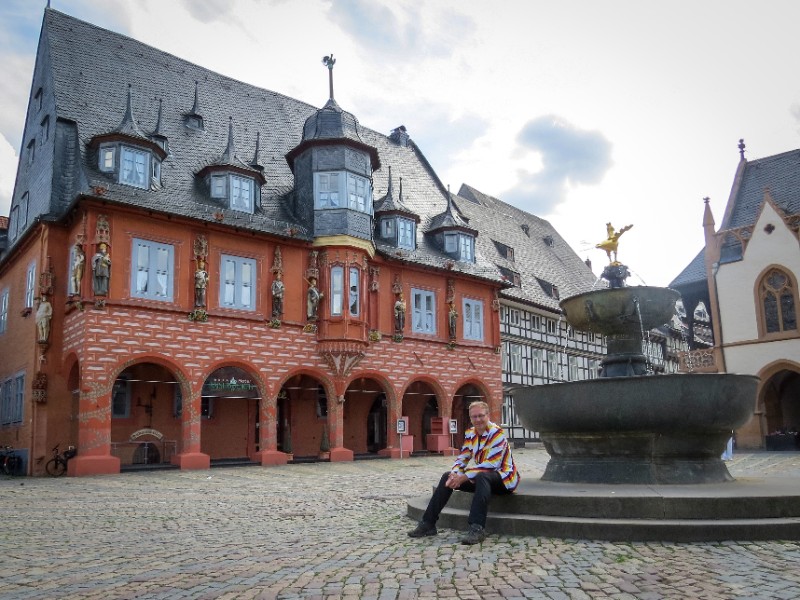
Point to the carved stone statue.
(101, 269)
(314, 296)
(76, 271)
(452, 318)
(399, 314)
(200, 284)
(43, 315)
(610, 244)
(278, 290)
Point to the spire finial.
(741, 149)
(329, 61)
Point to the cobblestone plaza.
(339, 531)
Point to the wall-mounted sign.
(402, 425)
(453, 425)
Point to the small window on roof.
(106, 159)
(37, 99)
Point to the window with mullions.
(340, 189)
(4, 310)
(12, 400)
(778, 302)
(30, 285)
(242, 193)
(357, 192)
(327, 190)
(152, 273)
(473, 320)
(355, 291)
(460, 245)
(134, 167)
(405, 233)
(237, 283)
(337, 290)
(423, 303)
(515, 358)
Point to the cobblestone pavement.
(339, 531)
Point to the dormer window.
(238, 190)
(505, 251)
(460, 245)
(134, 167)
(399, 231)
(330, 188)
(194, 122)
(107, 159)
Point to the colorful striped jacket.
(487, 452)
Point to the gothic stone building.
(200, 270)
(746, 275)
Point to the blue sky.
(580, 112)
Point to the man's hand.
(456, 480)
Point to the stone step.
(620, 530)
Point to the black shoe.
(475, 535)
(423, 529)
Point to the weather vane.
(329, 61)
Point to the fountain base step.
(745, 509)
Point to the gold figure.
(610, 244)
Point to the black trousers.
(483, 485)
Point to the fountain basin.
(613, 311)
(660, 429)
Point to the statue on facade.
(43, 315)
(200, 284)
(76, 270)
(399, 314)
(314, 297)
(610, 244)
(101, 269)
(452, 318)
(278, 290)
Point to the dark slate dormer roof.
(129, 129)
(534, 259)
(157, 133)
(451, 218)
(389, 205)
(332, 125)
(230, 160)
(195, 110)
(256, 162)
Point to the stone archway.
(229, 412)
(146, 409)
(365, 416)
(461, 400)
(780, 399)
(416, 400)
(302, 415)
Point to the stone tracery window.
(777, 296)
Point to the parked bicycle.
(57, 465)
(11, 461)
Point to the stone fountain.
(636, 456)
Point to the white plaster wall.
(736, 281)
(751, 358)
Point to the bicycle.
(57, 465)
(11, 461)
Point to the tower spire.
(329, 61)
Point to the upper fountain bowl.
(614, 311)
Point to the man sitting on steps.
(484, 467)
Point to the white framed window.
(237, 283)
(4, 311)
(537, 361)
(106, 159)
(12, 399)
(337, 290)
(387, 228)
(134, 167)
(423, 318)
(357, 192)
(242, 193)
(355, 291)
(467, 247)
(515, 356)
(328, 191)
(219, 186)
(552, 327)
(552, 365)
(30, 285)
(156, 174)
(473, 319)
(573, 368)
(450, 242)
(153, 270)
(121, 399)
(405, 233)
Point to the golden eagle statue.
(609, 245)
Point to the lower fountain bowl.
(660, 429)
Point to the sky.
(580, 112)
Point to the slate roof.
(90, 91)
(781, 174)
(534, 258)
